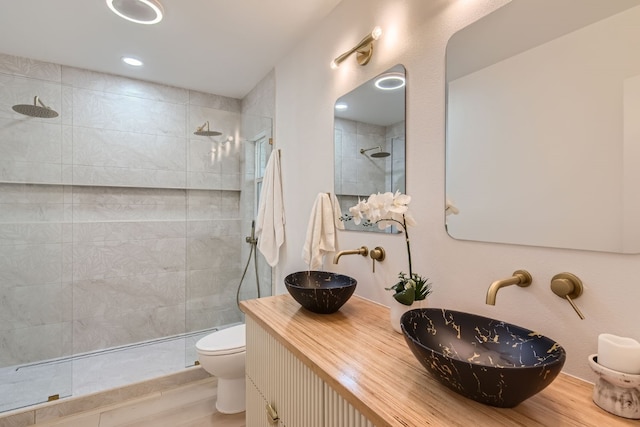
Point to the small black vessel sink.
(321, 292)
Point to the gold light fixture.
(364, 49)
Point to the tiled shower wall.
(358, 175)
(117, 224)
(395, 137)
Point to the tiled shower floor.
(26, 385)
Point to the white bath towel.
(270, 220)
(321, 232)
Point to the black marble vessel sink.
(489, 361)
(320, 291)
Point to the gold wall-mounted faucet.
(363, 250)
(568, 286)
(521, 278)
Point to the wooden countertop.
(356, 352)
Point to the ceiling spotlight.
(390, 81)
(138, 11)
(364, 49)
(134, 62)
(341, 106)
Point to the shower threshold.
(85, 373)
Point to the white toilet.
(222, 354)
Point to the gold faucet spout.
(362, 250)
(521, 278)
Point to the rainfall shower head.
(200, 131)
(378, 154)
(35, 110)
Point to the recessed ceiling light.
(341, 106)
(134, 62)
(138, 11)
(390, 81)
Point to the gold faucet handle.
(568, 286)
(377, 254)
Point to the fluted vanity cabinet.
(275, 377)
(278, 378)
(351, 369)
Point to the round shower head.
(377, 154)
(35, 110)
(201, 131)
(381, 154)
(207, 133)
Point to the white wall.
(415, 34)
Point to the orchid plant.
(385, 210)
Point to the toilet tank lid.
(225, 339)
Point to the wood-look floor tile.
(202, 394)
(89, 419)
(218, 420)
(176, 416)
(192, 405)
(222, 420)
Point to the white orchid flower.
(384, 209)
(409, 220)
(376, 205)
(400, 202)
(384, 223)
(357, 211)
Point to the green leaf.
(397, 287)
(405, 297)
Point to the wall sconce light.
(364, 49)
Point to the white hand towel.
(337, 212)
(270, 220)
(321, 232)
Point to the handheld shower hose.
(253, 251)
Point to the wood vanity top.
(356, 352)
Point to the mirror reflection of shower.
(377, 154)
(34, 110)
(397, 176)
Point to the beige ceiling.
(218, 46)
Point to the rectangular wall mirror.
(543, 126)
(369, 141)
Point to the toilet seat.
(225, 341)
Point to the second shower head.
(377, 154)
(201, 131)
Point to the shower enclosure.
(122, 231)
